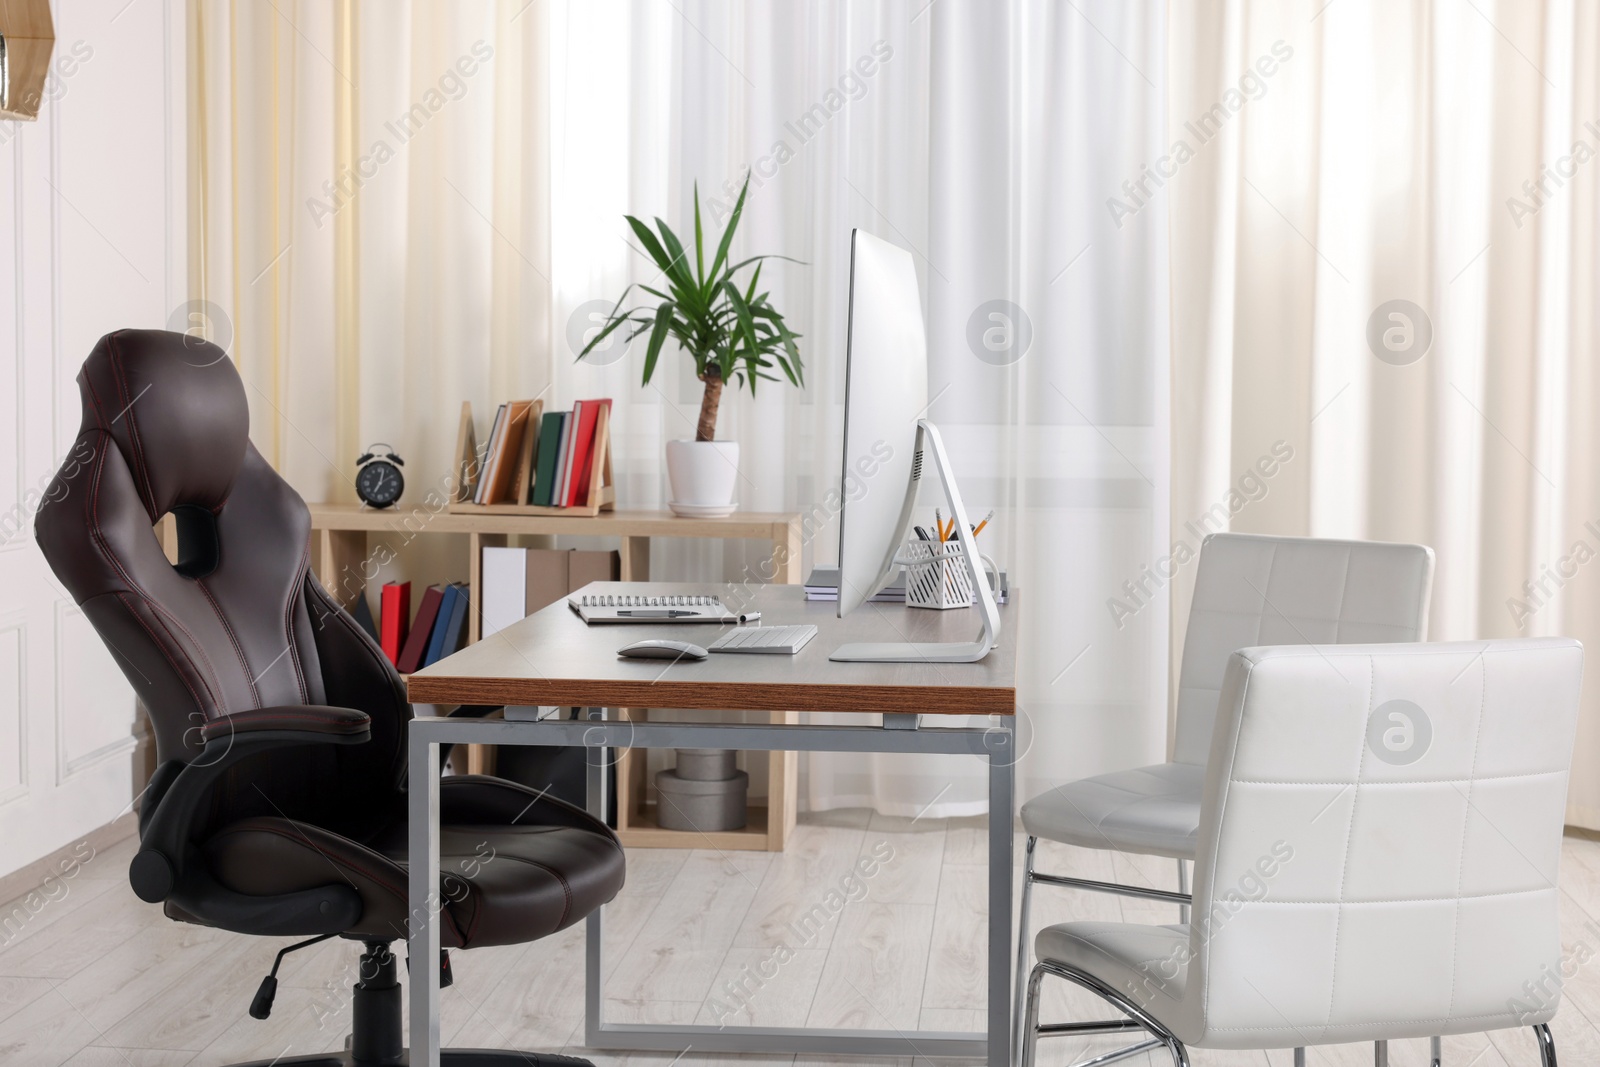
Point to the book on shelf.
(506, 453)
(562, 448)
(545, 464)
(823, 584)
(484, 476)
(452, 603)
(519, 581)
(393, 615)
(522, 476)
(361, 611)
(456, 630)
(583, 450)
(421, 629)
(569, 454)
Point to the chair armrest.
(330, 725)
(164, 848)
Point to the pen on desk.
(978, 529)
(657, 613)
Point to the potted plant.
(728, 327)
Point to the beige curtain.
(1384, 235)
(372, 222)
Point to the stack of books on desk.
(823, 584)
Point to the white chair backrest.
(1253, 590)
(1379, 842)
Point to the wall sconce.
(27, 37)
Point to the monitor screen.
(886, 392)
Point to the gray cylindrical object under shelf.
(689, 804)
(706, 764)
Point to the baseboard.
(34, 874)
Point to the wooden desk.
(553, 658)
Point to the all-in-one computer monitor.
(887, 442)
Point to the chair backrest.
(1255, 590)
(238, 623)
(1379, 842)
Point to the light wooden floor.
(95, 978)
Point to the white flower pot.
(702, 475)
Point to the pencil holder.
(940, 584)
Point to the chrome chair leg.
(1547, 1045)
(1435, 1051)
(1183, 887)
(1031, 1028)
(1380, 1054)
(1022, 948)
(1030, 1022)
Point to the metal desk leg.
(1001, 742)
(595, 759)
(422, 945)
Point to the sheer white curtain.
(1439, 155)
(986, 138)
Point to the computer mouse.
(662, 650)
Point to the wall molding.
(66, 769)
(18, 621)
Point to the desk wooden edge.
(941, 700)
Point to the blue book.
(441, 624)
(457, 631)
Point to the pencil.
(938, 523)
(978, 529)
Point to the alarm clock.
(378, 479)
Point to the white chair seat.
(1146, 964)
(1151, 810)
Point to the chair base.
(376, 1039)
(450, 1057)
(1160, 1035)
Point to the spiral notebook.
(651, 608)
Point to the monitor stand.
(939, 651)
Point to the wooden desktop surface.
(553, 658)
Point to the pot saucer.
(702, 511)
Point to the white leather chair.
(1249, 590)
(1378, 851)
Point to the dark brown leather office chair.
(278, 806)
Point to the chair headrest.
(175, 407)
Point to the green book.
(545, 466)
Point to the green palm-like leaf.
(730, 330)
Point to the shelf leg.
(783, 780)
(635, 559)
(787, 547)
(340, 562)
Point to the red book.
(583, 452)
(394, 613)
(421, 627)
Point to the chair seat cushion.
(1146, 964)
(1151, 810)
(514, 865)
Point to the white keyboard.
(777, 640)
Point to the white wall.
(92, 239)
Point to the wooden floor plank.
(97, 978)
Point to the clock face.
(379, 483)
